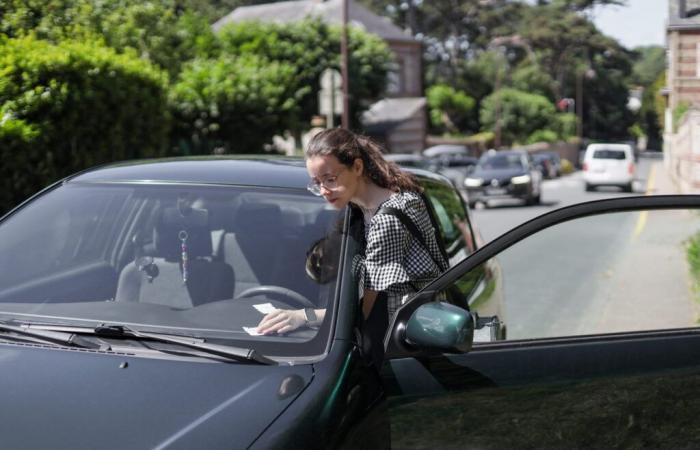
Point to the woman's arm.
(283, 321)
(368, 300)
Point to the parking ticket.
(265, 308)
(253, 331)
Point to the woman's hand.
(282, 321)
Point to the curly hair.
(347, 146)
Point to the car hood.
(80, 399)
(498, 174)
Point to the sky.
(641, 22)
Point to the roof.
(683, 14)
(329, 11)
(389, 112)
(252, 170)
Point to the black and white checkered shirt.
(395, 261)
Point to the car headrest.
(258, 219)
(169, 230)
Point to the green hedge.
(70, 106)
(233, 104)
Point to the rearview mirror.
(440, 326)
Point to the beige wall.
(408, 58)
(682, 153)
(409, 136)
(682, 75)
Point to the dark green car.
(130, 294)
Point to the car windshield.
(205, 261)
(504, 161)
(608, 154)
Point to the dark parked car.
(130, 294)
(455, 167)
(504, 174)
(409, 160)
(549, 164)
(445, 150)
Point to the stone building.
(682, 139)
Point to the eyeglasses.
(330, 182)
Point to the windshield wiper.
(236, 353)
(53, 337)
(68, 334)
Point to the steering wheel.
(265, 289)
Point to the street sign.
(330, 79)
(330, 97)
(328, 102)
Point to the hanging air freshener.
(183, 248)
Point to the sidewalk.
(659, 181)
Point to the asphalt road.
(502, 215)
(611, 273)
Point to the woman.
(349, 170)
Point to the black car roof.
(252, 170)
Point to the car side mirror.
(440, 326)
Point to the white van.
(609, 165)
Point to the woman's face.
(336, 182)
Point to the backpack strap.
(411, 227)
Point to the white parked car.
(609, 165)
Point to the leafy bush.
(693, 255)
(542, 136)
(451, 111)
(159, 31)
(679, 112)
(73, 105)
(520, 113)
(566, 166)
(232, 104)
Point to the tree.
(649, 74)
(649, 62)
(519, 114)
(582, 61)
(310, 47)
(451, 111)
(69, 106)
(160, 31)
(580, 5)
(232, 104)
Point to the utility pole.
(345, 117)
(579, 105)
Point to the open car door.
(603, 344)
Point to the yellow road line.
(651, 179)
(642, 220)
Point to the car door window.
(610, 273)
(452, 220)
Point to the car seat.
(252, 245)
(160, 278)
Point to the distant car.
(609, 165)
(455, 166)
(445, 150)
(504, 174)
(549, 163)
(409, 160)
